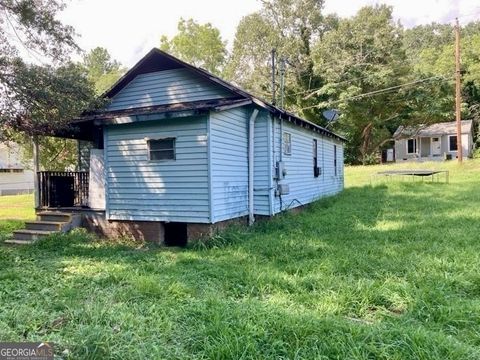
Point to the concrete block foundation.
(162, 233)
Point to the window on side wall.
(316, 169)
(287, 143)
(335, 159)
(161, 149)
(411, 146)
(452, 143)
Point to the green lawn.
(14, 211)
(383, 272)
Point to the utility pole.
(458, 95)
(274, 100)
(282, 83)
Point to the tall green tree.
(363, 55)
(102, 70)
(31, 25)
(292, 28)
(40, 99)
(44, 99)
(433, 36)
(442, 62)
(198, 44)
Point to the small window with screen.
(161, 149)
(335, 159)
(287, 143)
(316, 169)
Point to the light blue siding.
(304, 187)
(229, 163)
(208, 180)
(171, 190)
(166, 87)
(193, 188)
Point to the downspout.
(273, 166)
(251, 164)
(281, 157)
(281, 138)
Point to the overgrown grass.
(387, 271)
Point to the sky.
(129, 29)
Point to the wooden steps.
(44, 225)
(48, 222)
(29, 235)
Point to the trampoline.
(433, 175)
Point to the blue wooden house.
(178, 152)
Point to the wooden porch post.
(36, 169)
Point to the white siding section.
(166, 87)
(12, 183)
(229, 163)
(304, 187)
(172, 190)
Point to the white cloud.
(414, 12)
(128, 29)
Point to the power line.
(312, 76)
(336, 62)
(314, 91)
(377, 92)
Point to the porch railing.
(63, 189)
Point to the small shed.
(178, 152)
(432, 142)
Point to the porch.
(62, 203)
(421, 148)
(62, 190)
(425, 148)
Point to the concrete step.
(44, 225)
(31, 235)
(19, 242)
(54, 216)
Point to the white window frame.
(450, 143)
(287, 146)
(415, 146)
(148, 140)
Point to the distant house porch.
(426, 148)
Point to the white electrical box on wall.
(280, 170)
(282, 189)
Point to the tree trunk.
(366, 138)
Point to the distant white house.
(433, 142)
(14, 177)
